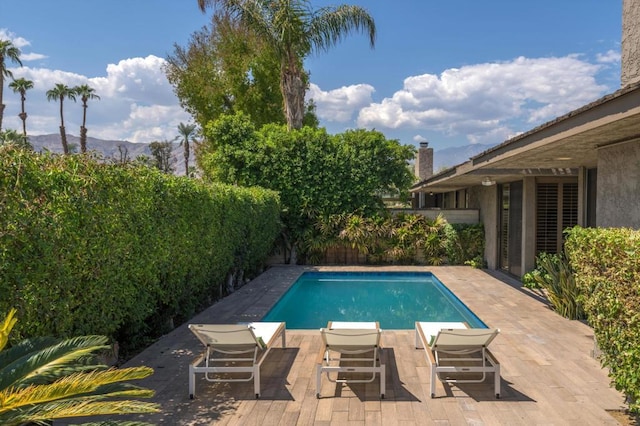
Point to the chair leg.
(496, 379)
(192, 383)
(256, 380)
(433, 381)
(318, 379)
(383, 378)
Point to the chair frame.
(329, 363)
(459, 356)
(245, 338)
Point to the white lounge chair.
(351, 338)
(451, 348)
(231, 340)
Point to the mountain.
(442, 158)
(107, 148)
(448, 157)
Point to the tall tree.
(161, 153)
(225, 69)
(292, 29)
(316, 174)
(85, 92)
(7, 52)
(59, 93)
(188, 133)
(21, 85)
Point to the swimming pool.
(396, 299)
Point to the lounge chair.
(351, 338)
(232, 340)
(453, 349)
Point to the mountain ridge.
(115, 149)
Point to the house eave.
(557, 148)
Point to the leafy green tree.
(225, 69)
(85, 92)
(7, 52)
(59, 93)
(161, 153)
(316, 174)
(43, 379)
(292, 29)
(21, 85)
(188, 133)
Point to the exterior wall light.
(487, 181)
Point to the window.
(556, 210)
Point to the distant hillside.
(107, 148)
(448, 157)
(442, 158)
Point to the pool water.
(396, 299)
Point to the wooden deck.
(548, 374)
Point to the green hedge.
(606, 264)
(120, 250)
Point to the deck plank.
(548, 375)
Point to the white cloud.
(488, 102)
(341, 104)
(484, 103)
(136, 102)
(609, 57)
(18, 42)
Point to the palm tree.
(44, 378)
(11, 136)
(85, 92)
(7, 51)
(292, 29)
(21, 86)
(60, 92)
(188, 133)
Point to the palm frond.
(330, 25)
(6, 326)
(49, 363)
(68, 409)
(116, 423)
(92, 385)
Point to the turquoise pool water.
(396, 299)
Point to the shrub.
(554, 275)
(607, 271)
(465, 244)
(399, 239)
(120, 250)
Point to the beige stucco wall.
(618, 202)
(486, 200)
(630, 71)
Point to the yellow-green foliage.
(92, 248)
(606, 263)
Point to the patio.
(548, 373)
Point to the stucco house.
(581, 168)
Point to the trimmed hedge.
(120, 250)
(606, 265)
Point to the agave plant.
(557, 279)
(44, 378)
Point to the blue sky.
(450, 72)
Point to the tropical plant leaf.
(6, 326)
(72, 408)
(47, 364)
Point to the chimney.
(424, 161)
(630, 66)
